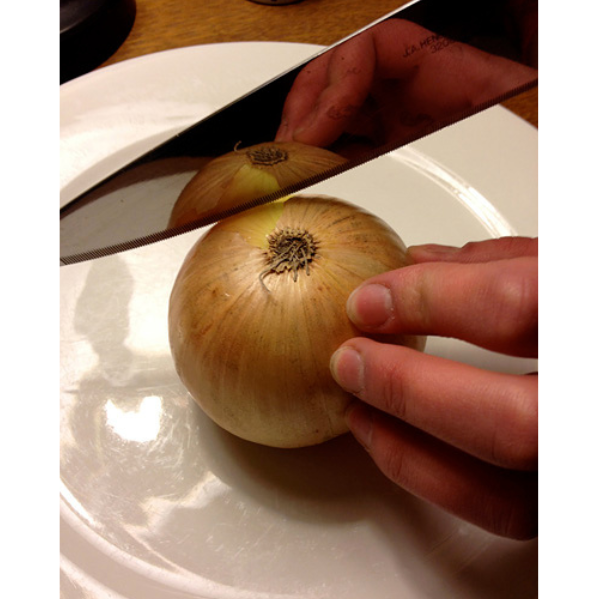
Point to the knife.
(131, 207)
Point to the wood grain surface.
(167, 24)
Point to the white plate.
(157, 502)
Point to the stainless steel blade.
(132, 206)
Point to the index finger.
(491, 304)
(328, 94)
(303, 95)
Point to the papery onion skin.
(254, 353)
(246, 174)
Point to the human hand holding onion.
(259, 307)
(453, 434)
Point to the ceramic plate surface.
(159, 503)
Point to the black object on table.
(90, 32)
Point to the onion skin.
(254, 352)
(242, 175)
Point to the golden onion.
(247, 174)
(258, 308)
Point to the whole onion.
(247, 174)
(258, 308)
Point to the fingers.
(492, 304)
(463, 438)
(489, 250)
(303, 96)
(491, 416)
(414, 77)
(327, 96)
(329, 93)
(501, 501)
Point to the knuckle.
(516, 300)
(502, 247)
(392, 391)
(393, 466)
(516, 446)
(411, 291)
(471, 251)
(392, 450)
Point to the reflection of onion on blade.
(247, 174)
(258, 308)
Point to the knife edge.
(293, 188)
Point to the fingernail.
(359, 419)
(347, 369)
(370, 306)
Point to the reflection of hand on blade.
(389, 83)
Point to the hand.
(390, 82)
(458, 436)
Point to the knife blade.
(131, 207)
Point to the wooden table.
(167, 24)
